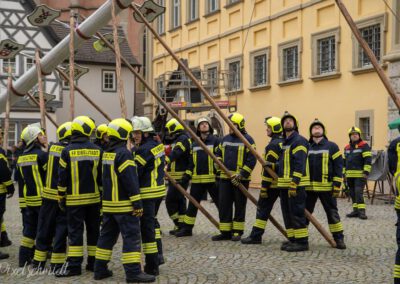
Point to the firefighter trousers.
(2, 211)
(396, 271)
(264, 208)
(198, 190)
(52, 234)
(229, 196)
(79, 217)
(148, 232)
(329, 204)
(294, 216)
(176, 203)
(158, 228)
(356, 187)
(28, 234)
(129, 227)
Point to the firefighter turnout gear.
(238, 120)
(101, 130)
(79, 187)
(357, 166)
(240, 161)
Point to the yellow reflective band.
(397, 202)
(57, 258)
(396, 271)
(150, 248)
(273, 154)
(297, 174)
(247, 169)
(180, 145)
(3, 227)
(335, 228)
(290, 233)
(325, 167)
(336, 155)
(174, 216)
(189, 220)
(134, 197)
(103, 254)
(367, 168)
(91, 250)
(355, 205)
(126, 164)
(181, 218)
(75, 251)
(361, 206)
(238, 225)
(158, 233)
(338, 179)
(40, 255)
(299, 148)
(301, 233)
(27, 242)
(225, 227)
(261, 224)
(140, 160)
(8, 183)
(131, 257)
(62, 163)
(366, 154)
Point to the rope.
(71, 65)
(391, 10)
(248, 26)
(120, 86)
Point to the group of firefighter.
(116, 185)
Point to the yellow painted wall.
(334, 101)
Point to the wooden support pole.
(8, 110)
(72, 65)
(40, 90)
(45, 112)
(364, 45)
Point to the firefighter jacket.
(150, 162)
(293, 164)
(178, 159)
(21, 185)
(121, 190)
(236, 156)
(79, 174)
(271, 154)
(326, 166)
(32, 165)
(201, 166)
(357, 160)
(6, 184)
(50, 190)
(394, 167)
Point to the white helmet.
(30, 133)
(142, 123)
(200, 120)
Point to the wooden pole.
(191, 199)
(45, 112)
(8, 110)
(40, 90)
(190, 131)
(72, 65)
(82, 93)
(364, 45)
(120, 84)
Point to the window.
(365, 127)
(29, 63)
(290, 62)
(193, 10)
(229, 2)
(259, 68)
(13, 62)
(161, 19)
(234, 67)
(396, 25)
(325, 63)
(365, 121)
(212, 6)
(373, 31)
(212, 79)
(176, 14)
(109, 82)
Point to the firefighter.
(269, 192)
(122, 207)
(357, 165)
(293, 177)
(79, 179)
(32, 165)
(101, 136)
(178, 168)
(239, 160)
(6, 191)
(52, 225)
(202, 171)
(394, 169)
(326, 166)
(150, 162)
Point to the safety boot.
(294, 247)
(4, 240)
(340, 244)
(353, 214)
(222, 237)
(251, 241)
(141, 278)
(184, 232)
(362, 215)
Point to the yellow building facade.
(294, 55)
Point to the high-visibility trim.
(8, 183)
(27, 242)
(367, 168)
(396, 271)
(238, 225)
(50, 193)
(336, 155)
(338, 179)
(290, 233)
(75, 251)
(355, 205)
(319, 186)
(273, 154)
(174, 216)
(301, 233)
(366, 154)
(150, 248)
(176, 175)
(336, 228)
(361, 206)
(181, 218)
(62, 163)
(58, 258)
(297, 174)
(140, 160)
(131, 257)
(189, 172)
(189, 220)
(354, 173)
(40, 255)
(180, 145)
(397, 203)
(299, 148)
(103, 254)
(83, 199)
(150, 193)
(325, 167)
(261, 224)
(3, 227)
(203, 178)
(134, 198)
(91, 250)
(158, 234)
(21, 202)
(225, 227)
(128, 163)
(247, 169)
(122, 206)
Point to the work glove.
(137, 209)
(335, 192)
(292, 192)
(62, 204)
(236, 179)
(263, 193)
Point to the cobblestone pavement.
(368, 259)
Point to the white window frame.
(211, 88)
(212, 6)
(17, 61)
(26, 68)
(175, 14)
(192, 10)
(256, 53)
(103, 87)
(360, 114)
(161, 19)
(228, 62)
(281, 49)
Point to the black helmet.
(317, 122)
(288, 115)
